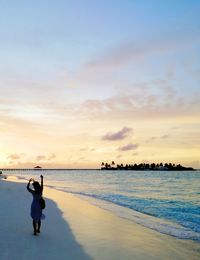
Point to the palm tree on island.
(113, 164)
(146, 167)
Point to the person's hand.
(41, 176)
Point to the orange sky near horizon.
(120, 83)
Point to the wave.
(145, 219)
(172, 217)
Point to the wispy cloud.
(153, 138)
(119, 156)
(167, 102)
(45, 157)
(89, 149)
(164, 136)
(15, 156)
(51, 157)
(128, 147)
(132, 51)
(122, 134)
(40, 157)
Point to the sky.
(86, 81)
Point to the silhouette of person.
(36, 210)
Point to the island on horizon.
(146, 167)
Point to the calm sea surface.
(168, 202)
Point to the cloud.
(82, 158)
(153, 138)
(15, 156)
(90, 149)
(164, 136)
(165, 103)
(132, 51)
(51, 157)
(119, 156)
(128, 147)
(46, 158)
(50, 165)
(41, 157)
(83, 149)
(122, 134)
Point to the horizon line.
(42, 169)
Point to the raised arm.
(41, 182)
(28, 186)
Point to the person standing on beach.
(36, 210)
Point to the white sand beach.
(74, 229)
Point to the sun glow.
(89, 90)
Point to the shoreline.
(96, 232)
(160, 225)
(148, 221)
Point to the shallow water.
(165, 196)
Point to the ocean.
(168, 202)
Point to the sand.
(75, 229)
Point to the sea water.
(166, 201)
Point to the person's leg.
(34, 227)
(39, 225)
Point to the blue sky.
(112, 64)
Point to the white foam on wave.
(157, 224)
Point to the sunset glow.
(84, 82)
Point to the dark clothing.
(36, 211)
